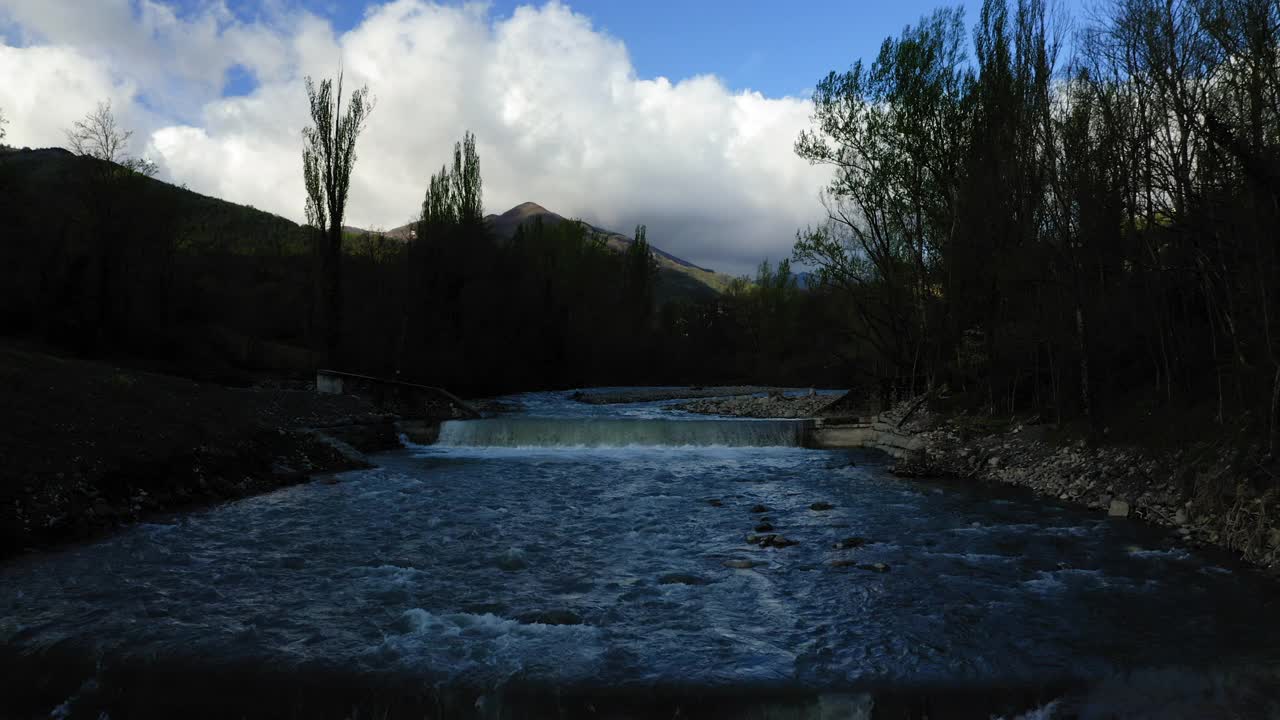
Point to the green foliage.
(455, 196)
(639, 273)
(893, 132)
(329, 151)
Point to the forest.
(1069, 217)
(1075, 220)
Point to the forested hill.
(47, 184)
(45, 192)
(677, 278)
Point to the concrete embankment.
(877, 434)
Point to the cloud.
(560, 115)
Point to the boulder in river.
(759, 509)
(739, 563)
(681, 579)
(764, 527)
(850, 543)
(771, 540)
(820, 506)
(715, 502)
(1118, 508)
(875, 567)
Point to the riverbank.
(774, 405)
(88, 447)
(1211, 494)
(643, 394)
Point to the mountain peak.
(526, 209)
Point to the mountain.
(677, 278)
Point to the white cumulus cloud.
(560, 115)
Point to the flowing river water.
(572, 548)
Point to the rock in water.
(681, 579)
(739, 564)
(875, 567)
(850, 543)
(759, 509)
(512, 560)
(1118, 508)
(763, 527)
(821, 506)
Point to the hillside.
(43, 192)
(38, 181)
(677, 278)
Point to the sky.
(678, 115)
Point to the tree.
(328, 156)
(640, 271)
(114, 187)
(3, 121)
(893, 133)
(455, 196)
(100, 136)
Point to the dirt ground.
(86, 446)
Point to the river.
(573, 548)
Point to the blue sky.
(775, 48)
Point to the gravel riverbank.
(775, 406)
(635, 395)
(1210, 495)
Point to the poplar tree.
(328, 156)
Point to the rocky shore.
(774, 405)
(1208, 494)
(634, 395)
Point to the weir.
(622, 432)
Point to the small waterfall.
(619, 432)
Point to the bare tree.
(100, 136)
(3, 121)
(328, 155)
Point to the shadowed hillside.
(103, 261)
(677, 278)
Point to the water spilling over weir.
(570, 551)
(622, 432)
